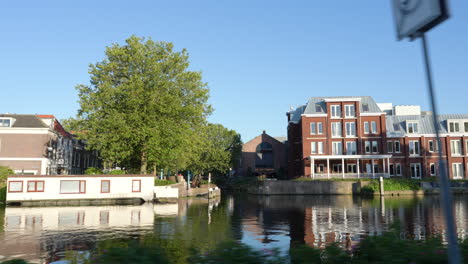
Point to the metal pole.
(445, 195)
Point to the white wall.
(120, 187)
(407, 110)
(166, 192)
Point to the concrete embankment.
(307, 187)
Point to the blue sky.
(258, 57)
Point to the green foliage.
(93, 171)
(73, 124)
(5, 172)
(143, 106)
(116, 172)
(3, 191)
(392, 185)
(131, 254)
(158, 182)
(15, 261)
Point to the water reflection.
(44, 234)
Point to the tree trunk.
(154, 171)
(144, 162)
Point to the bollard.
(381, 186)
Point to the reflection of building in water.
(40, 234)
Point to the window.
(319, 128)
(336, 129)
(466, 126)
(318, 108)
(375, 146)
(457, 170)
(136, 186)
(336, 168)
(313, 147)
(365, 107)
(431, 145)
(367, 146)
(350, 129)
(455, 147)
(15, 186)
(5, 122)
(320, 147)
(432, 169)
(396, 127)
(313, 128)
(398, 169)
(466, 147)
(319, 168)
(454, 127)
(414, 147)
(374, 127)
(105, 186)
(412, 127)
(351, 148)
(350, 111)
(366, 128)
(352, 168)
(35, 186)
(335, 111)
(337, 148)
(68, 187)
(389, 146)
(415, 170)
(392, 169)
(397, 147)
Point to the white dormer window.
(335, 111)
(5, 122)
(454, 127)
(412, 127)
(350, 111)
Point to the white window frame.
(353, 145)
(320, 147)
(459, 146)
(412, 127)
(366, 128)
(353, 168)
(313, 147)
(374, 127)
(391, 167)
(456, 127)
(414, 165)
(340, 129)
(335, 111)
(319, 128)
(465, 126)
(350, 129)
(6, 118)
(430, 146)
(433, 173)
(398, 169)
(350, 111)
(397, 143)
(313, 128)
(457, 173)
(334, 147)
(376, 145)
(367, 144)
(414, 150)
(389, 146)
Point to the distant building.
(264, 155)
(352, 137)
(39, 145)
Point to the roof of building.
(316, 105)
(281, 139)
(26, 121)
(296, 113)
(396, 125)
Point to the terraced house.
(354, 137)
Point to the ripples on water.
(44, 235)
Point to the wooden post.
(381, 186)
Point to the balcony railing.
(349, 175)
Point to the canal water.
(48, 234)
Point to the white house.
(36, 188)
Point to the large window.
(313, 128)
(313, 147)
(351, 148)
(412, 127)
(397, 147)
(337, 148)
(457, 170)
(136, 185)
(432, 168)
(105, 186)
(414, 147)
(374, 127)
(335, 111)
(366, 128)
(389, 146)
(319, 128)
(398, 169)
(336, 129)
(71, 186)
(375, 147)
(392, 169)
(15, 186)
(264, 155)
(415, 170)
(350, 111)
(320, 147)
(350, 129)
(433, 146)
(455, 147)
(367, 146)
(35, 186)
(454, 127)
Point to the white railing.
(348, 176)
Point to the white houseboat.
(30, 190)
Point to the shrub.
(158, 182)
(3, 191)
(93, 171)
(5, 172)
(116, 172)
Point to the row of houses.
(39, 145)
(354, 137)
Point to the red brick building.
(353, 137)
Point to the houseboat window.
(35, 186)
(72, 186)
(105, 186)
(5, 122)
(136, 186)
(15, 186)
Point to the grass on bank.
(158, 182)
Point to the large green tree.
(143, 104)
